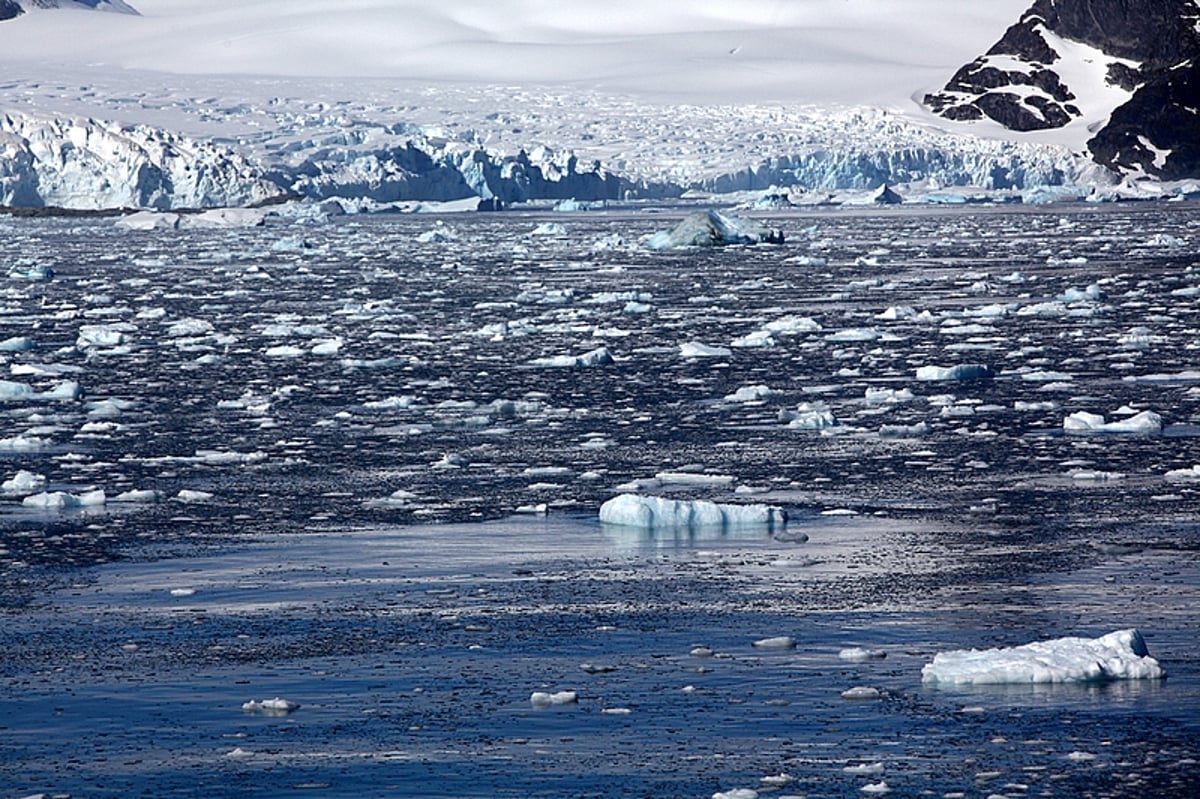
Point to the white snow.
(659, 513)
(1120, 655)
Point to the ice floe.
(1146, 423)
(271, 707)
(1121, 655)
(542, 699)
(654, 513)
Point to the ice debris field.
(517, 505)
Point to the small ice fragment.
(189, 496)
(780, 642)
(271, 707)
(876, 789)
(1081, 757)
(540, 699)
(858, 654)
(864, 770)
(183, 591)
(616, 711)
(701, 652)
(777, 780)
(736, 793)
(239, 754)
(862, 693)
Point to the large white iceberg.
(713, 229)
(659, 513)
(1120, 655)
(1146, 423)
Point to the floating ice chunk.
(777, 780)
(1176, 475)
(713, 229)
(271, 707)
(1146, 423)
(755, 393)
(34, 273)
(24, 482)
(226, 217)
(95, 336)
(854, 334)
(238, 753)
(329, 346)
(694, 349)
(791, 325)
(1120, 655)
(862, 693)
(658, 513)
(149, 220)
(809, 416)
(876, 789)
(17, 344)
(918, 430)
(284, 351)
(888, 396)
(597, 357)
(858, 654)
(143, 496)
(23, 443)
(541, 699)
(181, 592)
(550, 229)
(736, 793)
(755, 340)
(779, 642)
(189, 496)
(694, 479)
(864, 770)
(438, 235)
(61, 500)
(962, 372)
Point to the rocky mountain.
(1126, 70)
(10, 9)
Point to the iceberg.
(1146, 423)
(962, 372)
(1121, 655)
(713, 229)
(659, 513)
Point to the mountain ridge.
(1126, 70)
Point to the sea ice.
(779, 642)
(658, 513)
(859, 654)
(24, 482)
(860, 693)
(1146, 423)
(962, 372)
(1121, 655)
(597, 357)
(696, 349)
(61, 500)
(540, 699)
(271, 707)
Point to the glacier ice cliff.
(88, 164)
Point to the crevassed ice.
(1120, 655)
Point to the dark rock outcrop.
(1155, 50)
(9, 10)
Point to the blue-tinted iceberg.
(1120, 655)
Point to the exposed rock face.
(1142, 58)
(9, 9)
